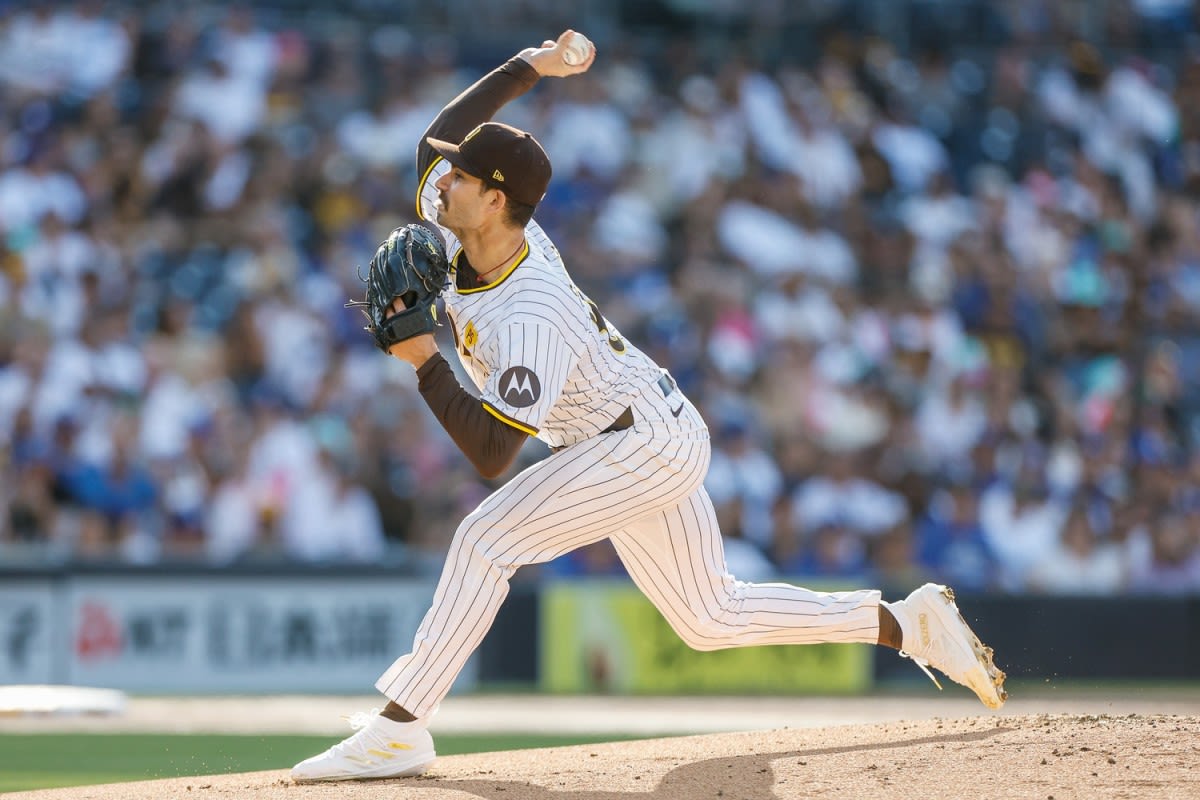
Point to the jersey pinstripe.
(540, 352)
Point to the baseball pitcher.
(629, 451)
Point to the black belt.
(626, 419)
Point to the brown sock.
(396, 713)
(889, 630)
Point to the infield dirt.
(1032, 756)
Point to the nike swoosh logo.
(675, 413)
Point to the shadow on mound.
(745, 776)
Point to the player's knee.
(477, 542)
(472, 539)
(713, 627)
(703, 633)
(704, 646)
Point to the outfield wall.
(147, 631)
(214, 631)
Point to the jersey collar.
(503, 276)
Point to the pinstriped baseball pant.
(642, 488)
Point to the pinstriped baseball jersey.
(542, 356)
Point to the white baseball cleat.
(935, 634)
(382, 748)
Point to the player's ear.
(497, 200)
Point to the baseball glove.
(410, 264)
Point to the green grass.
(46, 760)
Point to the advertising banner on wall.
(27, 631)
(606, 636)
(260, 634)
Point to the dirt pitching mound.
(1042, 756)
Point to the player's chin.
(446, 219)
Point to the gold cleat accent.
(984, 654)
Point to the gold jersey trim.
(521, 426)
(524, 254)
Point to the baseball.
(577, 50)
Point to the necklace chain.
(502, 263)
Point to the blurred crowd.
(938, 303)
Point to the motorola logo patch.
(519, 387)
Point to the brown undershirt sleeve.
(489, 444)
(476, 105)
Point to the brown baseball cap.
(503, 156)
